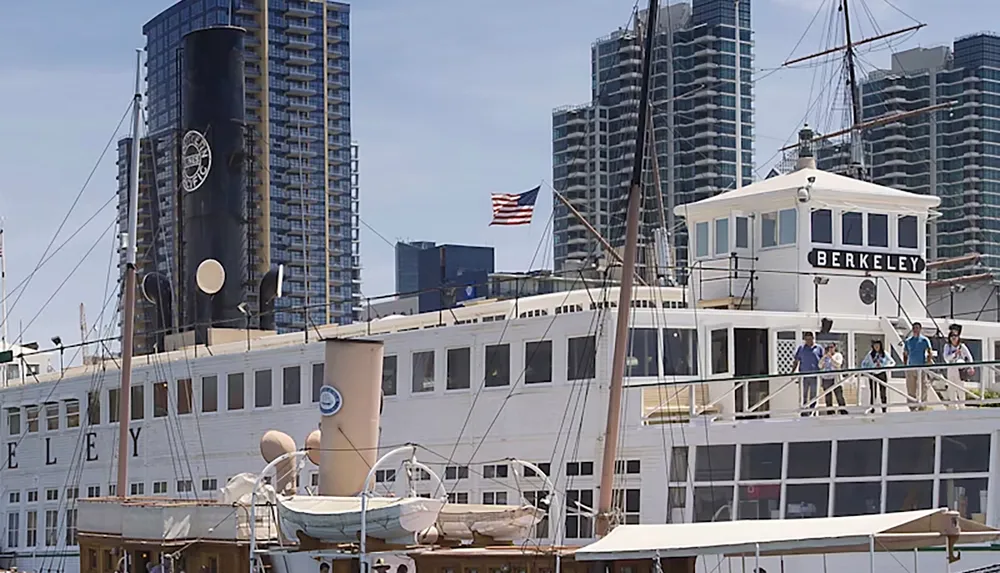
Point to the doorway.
(751, 357)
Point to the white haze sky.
(451, 100)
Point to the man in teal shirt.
(917, 351)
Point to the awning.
(891, 531)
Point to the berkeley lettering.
(91, 447)
(134, 432)
(11, 455)
(50, 460)
(865, 262)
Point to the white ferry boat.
(714, 424)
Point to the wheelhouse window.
(459, 369)
(160, 399)
(777, 228)
(538, 362)
(680, 352)
(742, 233)
(185, 398)
(291, 385)
(209, 393)
(581, 358)
(821, 225)
(319, 371)
(262, 389)
(701, 239)
(721, 236)
(852, 228)
(906, 229)
(497, 365)
(423, 372)
(234, 391)
(878, 230)
(643, 357)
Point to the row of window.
(864, 229)
(53, 524)
(777, 229)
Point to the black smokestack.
(156, 289)
(213, 175)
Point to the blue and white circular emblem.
(330, 400)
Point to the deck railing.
(857, 391)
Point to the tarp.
(891, 531)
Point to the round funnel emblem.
(196, 160)
(330, 400)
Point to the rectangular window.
(701, 239)
(51, 527)
(13, 497)
(579, 525)
(209, 393)
(680, 352)
(31, 539)
(878, 230)
(787, 222)
(456, 472)
(822, 226)
(13, 529)
(538, 362)
(262, 389)
(495, 471)
(184, 397)
(768, 229)
(807, 500)
(851, 230)
(318, 373)
(94, 408)
(235, 394)
(71, 539)
(185, 486)
(742, 233)
(137, 402)
(643, 352)
(856, 498)
(720, 351)
(32, 496)
(721, 236)
(965, 454)
(14, 421)
(906, 228)
(137, 488)
(209, 484)
(579, 468)
(161, 400)
(715, 463)
(459, 369)
(581, 358)
(423, 371)
(389, 375)
(52, 494)
(911, 456)
(291, 385)
(628, 501)
(113, 405)
(159, 487)
(494, 498)
(859, 458)
(497, 365)
(72, 413)
(93, 491)
(52, 416)
(72, 493)
(31, 413)
(458, 497)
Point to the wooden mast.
(604, 507)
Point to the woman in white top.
(956, 352)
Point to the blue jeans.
(809, 392)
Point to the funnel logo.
(196, 160)
(330, 400)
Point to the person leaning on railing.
(832, 360)
(917, 351)
(877, 358)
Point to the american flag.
(511, 209)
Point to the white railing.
(857, 391)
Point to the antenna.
(83, 332)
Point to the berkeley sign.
(90, 449)
(863, 261)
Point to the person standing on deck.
(832, 360)
(917, 351)
(807, 357)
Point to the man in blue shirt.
(917, 351)
(807, 357)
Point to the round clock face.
(867, 291)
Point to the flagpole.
(3, 299)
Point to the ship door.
(751, 358)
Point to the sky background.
(451, 100)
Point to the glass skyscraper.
(693, 105)
(304, 178)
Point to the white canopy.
(891, 531)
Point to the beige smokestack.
(272, 445)
(313, 445)
(349, 435)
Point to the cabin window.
(497, 365)
(319, 372)
(31, 413)
(822, 226)
(456, 472)
(458, 497)
(113, 405)
(14, 421)
(546, 468)
(768, 230)
(579, 525)
(909, 495)
(73, 492)
(679, 464)
(581, 358)
(209, 393)
(185, 486)
(787, 221)
(51, 527)
(680, 352)
(742, 233)
(262, 389)
(137, 488)
(701, 239)
(459, 369)
(643, 354)
(32, 495)
(234, 391)
(71, 527)
(851, 228)
(721, 236)
(291, 385)
(859, 458)
(51, 494)
(52, 416)
(628, 499)
(878, 230)
(538, 362)
(159, 487)
(161, 399)
(911, 456)
(13, 529)
(720, 351)
(137, 402)
(715, 463)
(93, 491)
(423, 371)
(209, 484)
(72, 413)
(857, 498)
(778, 228)
(389, 372)
(494, 498)
(760, 461)
(31, 539)
(494, 471)
(94, 408)
(964, 454)
(385, 476)
(906, 228)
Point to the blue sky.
(451, 100)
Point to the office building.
(443, 275)
(304, 169)
(693, 104)
(953, 153)
(408, 265)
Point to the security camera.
(802, 194)
(811, 179)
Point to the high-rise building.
(694, 118)
(952, 153)
(408, 265)
(442, 274)
(303, 174)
